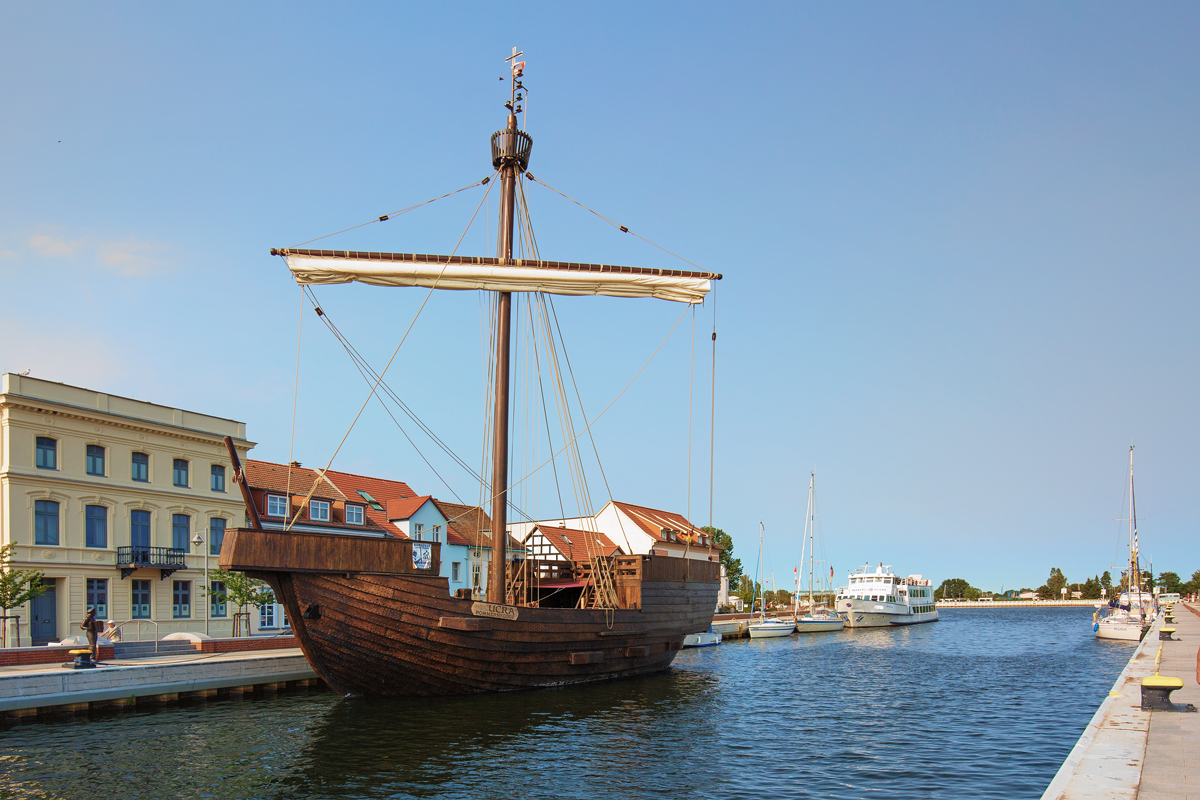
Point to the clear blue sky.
(960, 245)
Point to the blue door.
(44, 625)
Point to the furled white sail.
(490, 274)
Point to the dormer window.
(354, 514)
(276, 505)
(318, 511)
(370, 500)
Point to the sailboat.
(1135, 607)
(814, 621)
(767, 628)
(375, 618)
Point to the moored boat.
(1135, 609)
(375, 617)
(817, 620)
(879, 598)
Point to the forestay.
(493, 274)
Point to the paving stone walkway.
(1171, 767)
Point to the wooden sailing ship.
(373, 615)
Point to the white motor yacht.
(880, 598)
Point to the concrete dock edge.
(51, 688)
(1106, 762)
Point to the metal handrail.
(139, 623)
(146, 556)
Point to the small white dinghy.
(706, 639)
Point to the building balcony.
(165, 559)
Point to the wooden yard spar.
(373, 622)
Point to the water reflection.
(435, 746)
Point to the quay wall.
(60, 654)
(41, 690)
(1019, 603)
(28, 656)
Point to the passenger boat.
(817, 620)
(1134, 610)
(879, 598)
(373, 615)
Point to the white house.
(464, 533)
(637, 530)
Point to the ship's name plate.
(494, 611)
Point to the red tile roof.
(279, 478)
(401, 508)
(379, 488)
(577, 545)
(656, 523)
(340, 487)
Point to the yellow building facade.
(120, 502)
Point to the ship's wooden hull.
(383, 635)
(388, 635)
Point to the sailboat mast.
(496, 569)
(812, 520)
(1135, 578)
(510, 155)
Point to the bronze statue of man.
(92, 626)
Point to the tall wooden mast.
(510, 154)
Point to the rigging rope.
(394, 214)
(612, 222)
(416, 316)
(295, 397)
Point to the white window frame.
(280, 502)
(456, 571)
(354, 510)
(318, 510)
(418, 530)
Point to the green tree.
(747, 590)
(1170, 582)
(17, 587)
(1147, 581)
(1193, 586)
(241, 590)
(1046, 593)
(733, 566)
(1106, 581)
(1091, 589)
(955, 589)
(1056, 582)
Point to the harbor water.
(985, 703)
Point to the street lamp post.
(201, 538)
